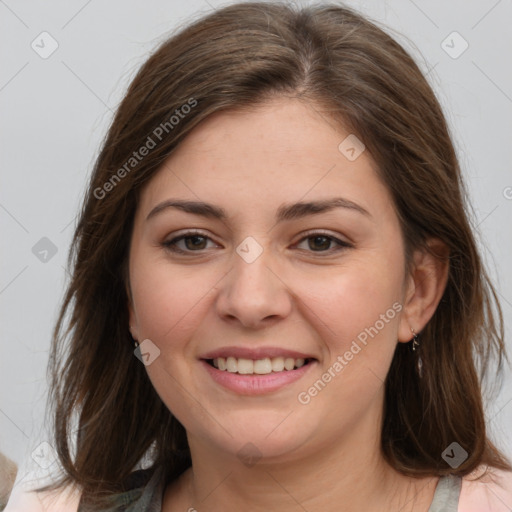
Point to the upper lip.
(255, 353)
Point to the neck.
(350, 475)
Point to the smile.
(257, 376)
(263, 366)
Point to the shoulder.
(490, 493)
(139, 483)
(25, 500)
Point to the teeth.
(277, 364)
(231, 365)
(263, 366)
(289, 363)
(245, 366)
(259, 366)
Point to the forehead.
(280, 127)
(281, 151)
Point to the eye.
(194, 241)
(321, 242)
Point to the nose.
(254, 294)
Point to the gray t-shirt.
(147, 490)
(446, 497)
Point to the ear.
(424, 287)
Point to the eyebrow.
(285, 212)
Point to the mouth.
(265, 366)
(263, 375)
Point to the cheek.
(353, 297)
(356, 312)
(167, 298)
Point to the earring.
(415, 342)
(414, 346)
(135, 342)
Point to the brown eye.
(196, 242)
(190, 242)
(322, 243)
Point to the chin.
(266, 438)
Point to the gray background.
(55, 112)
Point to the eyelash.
(171, 244)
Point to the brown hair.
(236, 58)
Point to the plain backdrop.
(55, 110)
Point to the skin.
(298, 294)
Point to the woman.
(276, 292)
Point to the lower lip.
(256, 384)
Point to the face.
(253, 282)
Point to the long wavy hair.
(107, 416)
